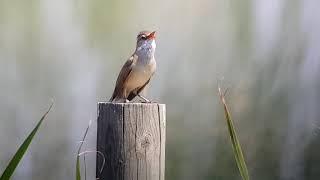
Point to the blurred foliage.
(265, 51)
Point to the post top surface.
(130, 103)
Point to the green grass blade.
(22, 149)
(78, 175)
(235, 142)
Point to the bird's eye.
(143, 37)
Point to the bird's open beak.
(152, 35)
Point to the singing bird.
(137, 70)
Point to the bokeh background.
(267, 52)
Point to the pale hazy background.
(266, 51)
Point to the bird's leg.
(145, 99)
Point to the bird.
(137, 71)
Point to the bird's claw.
(145, 100)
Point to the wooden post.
(132, 138)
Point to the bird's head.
(146, 41)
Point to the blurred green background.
(266, 51)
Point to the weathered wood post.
(132, 138)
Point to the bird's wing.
(123, 75)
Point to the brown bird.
(137, 71)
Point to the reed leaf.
(22, 149)
(234, 139)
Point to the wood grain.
(132, 138)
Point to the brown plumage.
(137, 71)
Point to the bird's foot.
(145, 100)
